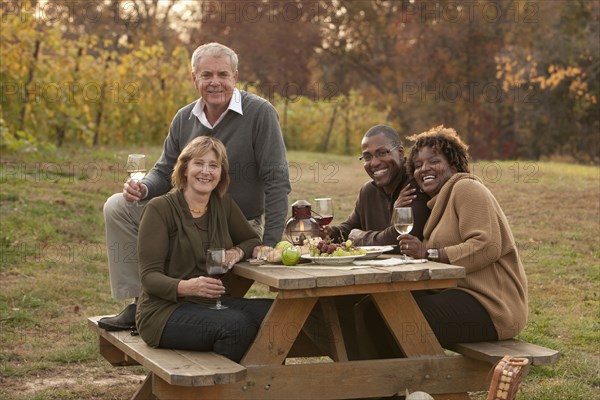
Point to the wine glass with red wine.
(216, 268)
(323, 211)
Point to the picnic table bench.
(264, 373)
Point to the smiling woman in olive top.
(176, 229)
(467, 227)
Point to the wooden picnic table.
(270, 369)
(426, 366)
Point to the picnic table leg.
(238, 286)
(338, 347)
(144, 392)
(279, 331)
(452, 396)
(407, 323)
(411, 330)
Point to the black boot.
(123, 321)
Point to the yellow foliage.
(514, 74)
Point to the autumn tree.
(437, 62)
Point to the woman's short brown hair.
(197, 148)
(443, 141)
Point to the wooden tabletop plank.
(277, 276)
(409, 272)
(445, 271)
(314, 276)
(365, 276)
(332, 277)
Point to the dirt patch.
(90, 383)
(43, 384)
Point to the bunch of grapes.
(324, 249)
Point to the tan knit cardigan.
(467, 221)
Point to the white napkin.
(343, 268)
(389, 262)
(313, 266)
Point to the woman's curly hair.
(443, 141)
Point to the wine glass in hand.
(136, 168)
(216, 268)
(323, 212)
(402, 219)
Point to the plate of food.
(374, 251)
(330, 260)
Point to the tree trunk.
(96, 139)
(60, 135)
(348, 145)
(284, 130)
(330, 129)
(36, 54)
(62, 128)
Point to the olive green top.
(172, 246)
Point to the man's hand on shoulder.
(405, 197)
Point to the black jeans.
(456, 317)
(453, 315)
(228, 332)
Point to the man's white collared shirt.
(235, 104)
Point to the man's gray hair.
(214, 50)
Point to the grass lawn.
(53, 268)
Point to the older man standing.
(247, 125)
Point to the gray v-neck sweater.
(257, 160)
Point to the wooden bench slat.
(494, 351)
(345, 380)
(222, 370)
(177, 367)
(539, 355)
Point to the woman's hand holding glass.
(411, 246)
(202, 286)
(219, 262)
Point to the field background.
(53, 271)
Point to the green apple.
(291, 255)
(283, 244)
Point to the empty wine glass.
(216, 268)
(136, 168)
(323, 211)
(402, 219)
